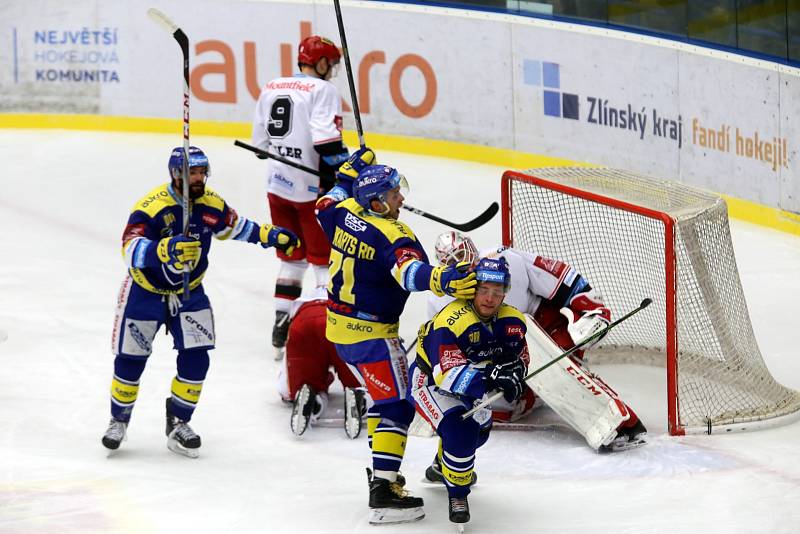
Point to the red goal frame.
(670, 269)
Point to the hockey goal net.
(633, 237)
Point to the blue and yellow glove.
(280, 238)
(455, 280)
(349, 170)
(178, 251)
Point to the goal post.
(635, 237)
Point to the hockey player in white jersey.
(299, 118)
(562, 310)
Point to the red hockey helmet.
(314, 48)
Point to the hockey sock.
(389, 437)
(321, 275)
(188, 383)
(457, 457)
(289, 284)
(373, 418)
(125, 386)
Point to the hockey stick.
(270, 155)
(349, 69)
(597, 335)
(477, 222)
(165, 22)
(468, 226)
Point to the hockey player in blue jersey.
(376, 261)
(471, 347)
(155, 253)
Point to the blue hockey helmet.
(197, 158)
(493, 270)
(374, 182)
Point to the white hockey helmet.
(454, 247)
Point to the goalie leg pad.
(573, 393)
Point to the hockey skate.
(280, 331)
(459, 512)
(115, 434)
(181, 439)
(627, 438)
(389, 503)
(433, 474)
(400, 480)
(303, 409)
(355, 407)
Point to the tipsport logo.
(548, 76)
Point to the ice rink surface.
(64, 199)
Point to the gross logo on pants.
(198, 328)
(199, 332)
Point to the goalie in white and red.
(562, 309)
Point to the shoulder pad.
(507, 310)
(211, 199)
(456, 317)
(154, 201)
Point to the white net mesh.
(721, 379)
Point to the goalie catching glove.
(507, 377)
(454, 280)
(178, 251)
(280, 238)
(586, 315)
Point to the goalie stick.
(183, 41)
(597, 335)
(468, 226)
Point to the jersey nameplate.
(352, 246)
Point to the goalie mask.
(454, 247)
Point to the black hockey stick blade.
(468, 226)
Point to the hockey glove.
(177, 251)
(586, 315)
(280, 238)
(454, 280)
(507, 377)
(349, 170)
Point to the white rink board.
(427, 72)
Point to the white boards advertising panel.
(710, 119)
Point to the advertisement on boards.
(656, 107)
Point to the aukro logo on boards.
(228, 70)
